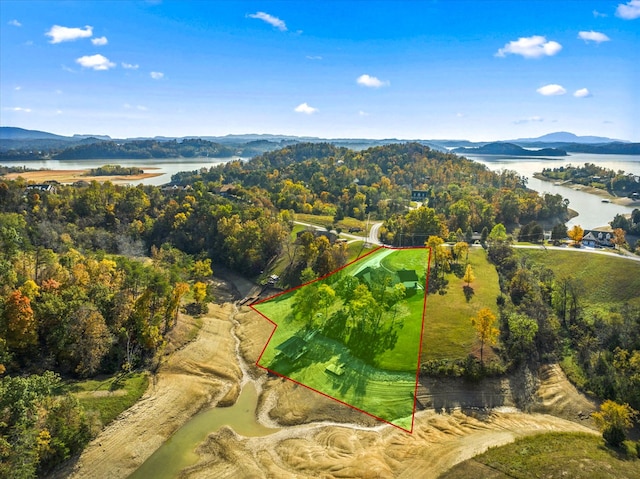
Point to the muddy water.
(179, 451)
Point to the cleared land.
(355, 335)
(605, 281)
(71, 176)
(448, 333)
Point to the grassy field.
(448, 333)
(382, 385)
(322, 220)
(110, 396)
(552, 455)
(606, 280)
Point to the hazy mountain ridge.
(22, 144)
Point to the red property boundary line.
(424, 310)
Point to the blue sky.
(478, 70)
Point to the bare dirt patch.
(71, 176)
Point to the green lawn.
(552, 455)
(325, 220)
(448, 333)
(110, 396)
(606, 280)
(381, 385)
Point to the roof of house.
(293, 348)
(407, 275)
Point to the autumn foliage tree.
(19, 324)
(614, 420)
(484, 322)
(468, 277)
(575, 234)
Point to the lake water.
(166, 166)
(592, 212)
(179, 451)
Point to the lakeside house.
(597, 239)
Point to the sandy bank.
(71, 176)
(195, 377)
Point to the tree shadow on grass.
(468, 292)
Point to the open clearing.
(71, 176)
(606, 280)
(355, 335)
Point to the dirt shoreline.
(318, 437)
(71, 176)
(622, 201)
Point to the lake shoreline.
(623, 201)
(67, 177)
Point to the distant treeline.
(95, 148)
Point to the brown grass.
(71, 176)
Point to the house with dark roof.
(293, 348)
(597, 239)
(408, 277)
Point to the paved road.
(372, 238)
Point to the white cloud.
(551, 90)
(582, 93)
(19, 109)
(305, 108)
(592, 36)
(530, 47)
(18, 88)
(95, 62)
(270, 19)
(99, 41)
(371, 82)
(157, 75)
(14, 23)
(314, 57)
(531, 119)
(459, 115)
(629, 11)
(60, 34)
(129, 66)
(363, 113)
(597, 14)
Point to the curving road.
(371, 238)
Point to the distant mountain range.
(19, 143)
(566, 137)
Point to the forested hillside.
(92, 277)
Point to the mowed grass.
(110, 396)
(326, 220)
(605, 280)
(382, 387)
(448, 333)
(552, 455)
